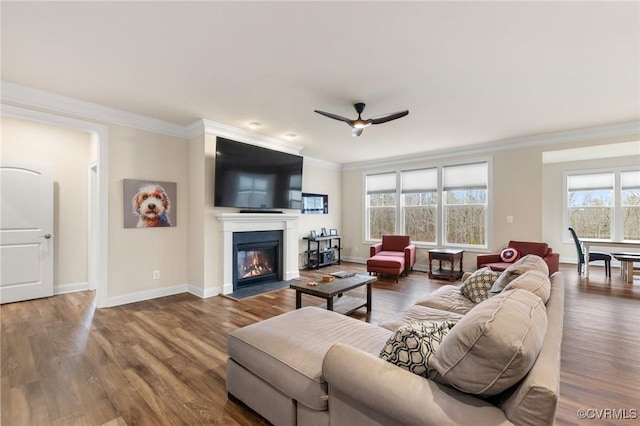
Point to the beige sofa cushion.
(534, 281)
(447, 298)
(286, 351)
(527, 263)
(494, 345)
(418, 313)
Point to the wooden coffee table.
(328, 290)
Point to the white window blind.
(590, 182)
(381, 183)
(423, 180)
(466, 176)
(630, 180)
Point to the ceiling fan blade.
(335, 116)
(356, 132)
(388, 117)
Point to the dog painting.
(150, 204)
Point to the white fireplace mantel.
(246, 222)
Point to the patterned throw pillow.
(509, 255)
(412, 346)
(476, 287)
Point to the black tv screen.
(252, 177)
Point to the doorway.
(97, 260)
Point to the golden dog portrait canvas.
(149, 204)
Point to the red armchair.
(394, 255)
(494, 261)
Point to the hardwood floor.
(162, 362)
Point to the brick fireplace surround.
(244, 222)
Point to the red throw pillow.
(509, 255)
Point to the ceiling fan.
(359, 124)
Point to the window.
(420, 204)
(630, 203)
(465, 204)
(604, 204)
(590, 204)
(381, 205)
(452, 210)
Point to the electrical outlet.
(156, 275)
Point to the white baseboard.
(70, 288)
(146, 295)
(203, 294)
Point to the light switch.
(509, 219)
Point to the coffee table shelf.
(329, 290)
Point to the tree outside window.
(605, 204)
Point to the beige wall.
(135, 253)
(70, 153)
(555, 230)
(522, 188)
(189, 253)
(320, 179)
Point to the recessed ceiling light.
(290, 136)
(254, 124)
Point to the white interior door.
(26, 230)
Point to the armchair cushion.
(395, 242)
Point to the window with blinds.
(465, 189)
(604, 204)
(434, 206)
(590, 204)
(381, 205)
(419, 204)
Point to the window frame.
(617, 225)
(440, 226)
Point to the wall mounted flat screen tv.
(255, 178)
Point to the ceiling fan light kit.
(359, 124)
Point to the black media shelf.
(322, 251)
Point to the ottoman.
(275, 366)
(382, 264)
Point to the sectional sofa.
(498, 365)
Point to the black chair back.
(578, 245)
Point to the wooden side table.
(448, 255)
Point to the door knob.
(47, 236)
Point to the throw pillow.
(494, 346)
(476, 287)
(524, 264)
(412, 346)
(509, 255)
(536, 282)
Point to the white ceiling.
(468, 72)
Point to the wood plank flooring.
(162, 362)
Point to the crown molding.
(322, 164)
(628, 128)
(205, 126)
(27, 96)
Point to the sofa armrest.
(375, 249)
(483, 259)
(553, 262)
(381, 389)
(410, 256)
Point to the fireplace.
(257, 256)
(234, 223)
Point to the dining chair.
(593, 255)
